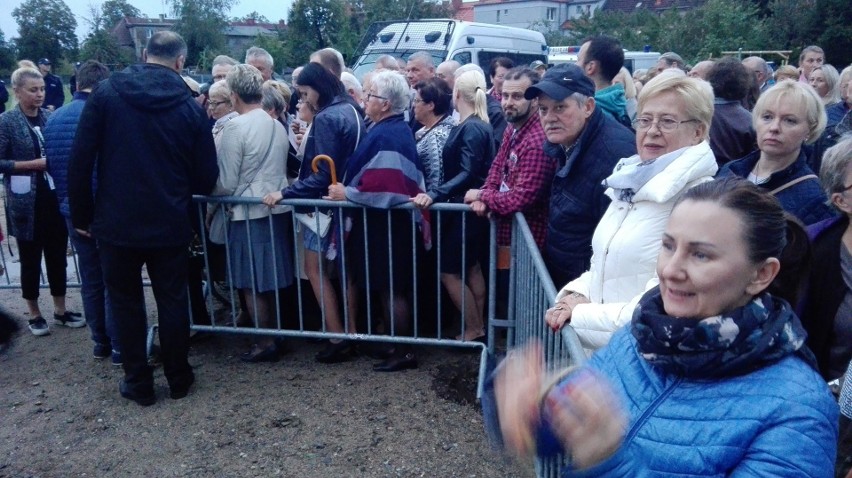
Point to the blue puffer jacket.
(779, 421)
(805, 200)
(58, 140)
(577, 199)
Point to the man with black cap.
(586, 143)
(54, 95)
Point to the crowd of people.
(695, 221)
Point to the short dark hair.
(730, 79)
(506, 63)
(323, 81)
(768, 231)
(437, 92)
(608, 53)
(90, 74)
(166, 44)
(519, 72)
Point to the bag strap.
(793, 183)
(358, 123)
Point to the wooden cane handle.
(326, 158)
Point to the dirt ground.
(61, 414)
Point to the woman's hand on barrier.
(517, 386)
(584, 414)
(560, 314)
(479, 208)
(422, 200)
(336, 192)
(272, 199)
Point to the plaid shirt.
(519, 180)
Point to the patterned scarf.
(736, 343)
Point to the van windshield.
(367, 61)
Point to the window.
(498, 16)
(551, 13)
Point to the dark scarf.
(736, 343)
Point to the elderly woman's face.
(31, 93)
(817, 81)
(663, 126)
(422, 110)
(703, 266)
(375, 106)
(219, 105)
(781, 128)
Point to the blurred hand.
(422, 200)
(560, 314)
(471, 196)
(83, 233)
(38, 164)
(585, 416)
(516, 388)
(479, 208)
(272, 199)
(336, 192)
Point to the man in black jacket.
(54, 94)
(153, 150)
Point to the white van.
(633, 60)
(445, 39)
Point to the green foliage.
(253, 16)
(201, 24)
(114, 10)
(46, 29)
(835, 31)
(275, 47)
(103, 47)
(7, 54)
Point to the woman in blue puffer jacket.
(712, 377)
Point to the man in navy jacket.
(153, 150)
(54, 94)
(586, 142)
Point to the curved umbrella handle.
(326, 158)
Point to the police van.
(633, 60)
(446, 39)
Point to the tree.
(46, 29)
(201, 23)
(7, 54)
(114, 10)
(251, 17)
(316, 24)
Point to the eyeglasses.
(213, 104)
(418, 100)
(663, 124)
(846, 188)
(370, 95)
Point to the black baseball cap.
(560, 82)
(44, 61)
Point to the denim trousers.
(96, 306)
(167, 270)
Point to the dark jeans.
(51, 238)
(96, 304)
(167, 268)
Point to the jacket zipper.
(606, 250)
(651, 409)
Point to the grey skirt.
(260, 256)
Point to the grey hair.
(224, 60)
(468, 67)
(21, 75)
(394, 87)
(424, 57)
(257, 52)
(246, 82)
(220, 87)
(835, 162)
(387, 62)
(349, 81)
(272, 99)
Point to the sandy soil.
(61, 415)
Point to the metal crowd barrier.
(531, 293)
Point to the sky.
(273, 10)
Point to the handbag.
(223, 213)
(319, 222)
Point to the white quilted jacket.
(626, 244)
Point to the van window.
(462, 57)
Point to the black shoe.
(181, 389)
(397, 363)
(377, 351)
(257, 354)
(143, 400)
(335, 353)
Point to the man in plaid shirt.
(520, 176)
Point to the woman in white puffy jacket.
(672, 126)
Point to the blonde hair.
(696, 94)
(832, 79)
(791, 91)
(281, 87)
(786, 72)
(470, 88)
(27, 64)
(627, 81)
(21, 75)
